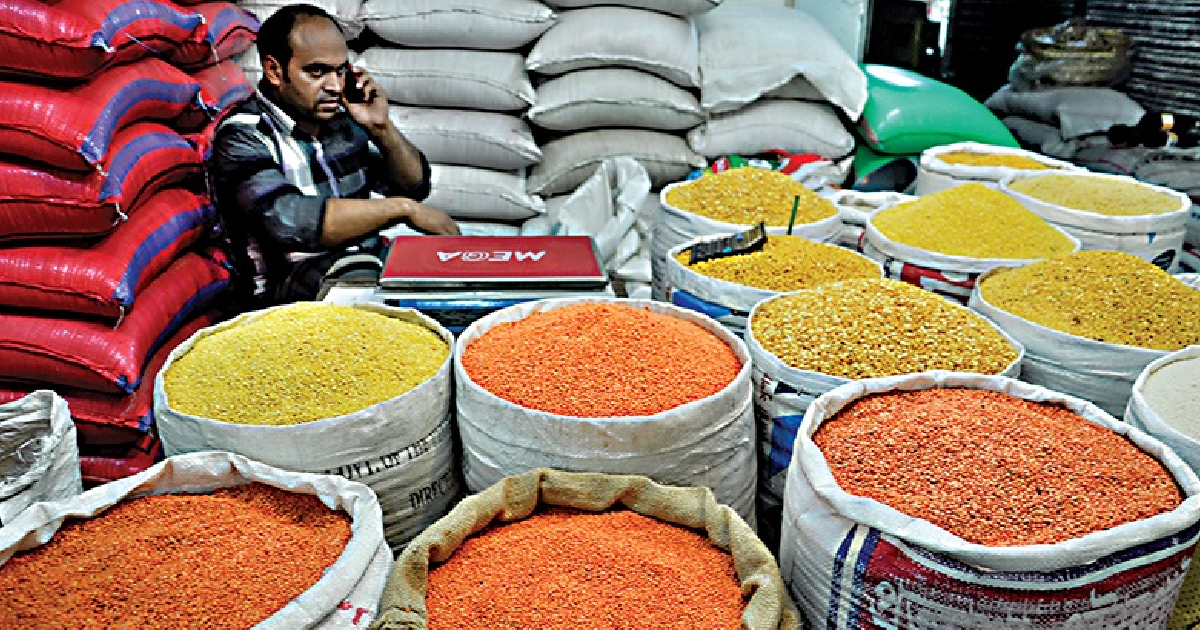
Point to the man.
(294, 166)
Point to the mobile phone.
(351, 92)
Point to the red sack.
(42, 202)
(100, 465)
(112, 419)
(228, 30)
(95, 356)
(72, 39)
(103, 279)
(222, 86)
(73, 128)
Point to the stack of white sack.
(616, 81)
(458, 89)
(346, 12)
(1064, 122)
(773, 77)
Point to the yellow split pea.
(969, 158)
(787, 263)
(748, 195)
(972, 221)
(302, 363)
(1102, 195)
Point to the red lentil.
(600, 360)
(569, 569)
(991, 468)
(228, 559)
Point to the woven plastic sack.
(468, 79)
(676, 227)
(96, 356)
(104, 464)
(748, 50)
(73, 128)
(103, 279)
(604, 37)
(222, 86)
(39, 460)
(402, 447)
(228, 31)
(39, 202)
(515, 498)
(72, 39)
(1140, 414)
(671, 7)
(933, 174)
(793, 126)
(113, 419)
(950, 276)
(344, 12)
(613, 97)
(855, 209)
(568, 161)
(845, 557)
(1157, 238)
(494, 140)
(1101, 373)
(707, 442)
(481, 194)
(477, 24)
(347, 594)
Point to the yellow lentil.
(1102, 195)
(746, 196)
(302, 363)
(787, 263)
(974, 221)
(970, 158)
(870, 328)
(1114, 297)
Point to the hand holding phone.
(352, 92)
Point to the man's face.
(316, 72)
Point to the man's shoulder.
(248, 113)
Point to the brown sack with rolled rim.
(515, 498)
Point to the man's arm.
(244, 170)
(405, 167)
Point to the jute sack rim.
(208, 471)
(322, 425)
(722, 290)
(1071, 346)
(1072, 217)
(945, 262)
(59, 427)
(518, 312)
(766, 361)
(516, 497)
(1021, 558)
(819, 230)
(931, 160)
(1151, 421)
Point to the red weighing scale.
(458, 279)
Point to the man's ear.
(273, 71)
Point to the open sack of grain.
(951, 165)
(549, 548)
(209, 540)
(733, 201)
(607, 385)
(361, 391)
(1033, 509)
(727, 288)
(943, 241)
(1092, 321)
(39, 459)
(1108, 212)
(806, 343)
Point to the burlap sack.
(516, 497)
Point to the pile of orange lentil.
(228, 559)
(568, 569)
(991, 468)
(600, 360)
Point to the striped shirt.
(271, 180)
